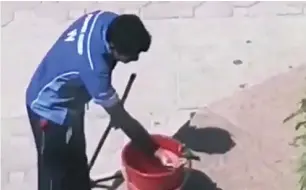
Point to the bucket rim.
(163, 174)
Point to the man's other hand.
(169, 159)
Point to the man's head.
(127, 37)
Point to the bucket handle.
(189, 156)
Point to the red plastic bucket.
(144, 173)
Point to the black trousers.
(61, 154)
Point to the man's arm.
(132, 128)
(100, 88)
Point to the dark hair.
(128, 35)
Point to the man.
(75, 70)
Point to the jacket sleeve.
(98, 84)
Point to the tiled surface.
(189, 66)
(154, 10)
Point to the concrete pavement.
(190, 66)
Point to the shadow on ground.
(199, 181)
(204, 139)
(210, 140)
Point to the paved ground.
(191, 68)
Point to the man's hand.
(169, 159)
